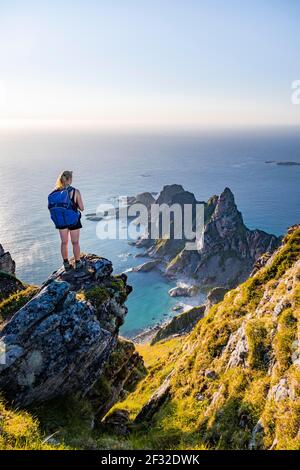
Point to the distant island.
(283, 163)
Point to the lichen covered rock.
(58, 343)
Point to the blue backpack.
(61, 207)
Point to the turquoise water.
(110, 165)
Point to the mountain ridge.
(229, 249)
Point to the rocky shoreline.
(229, 252)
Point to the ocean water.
(109, 165)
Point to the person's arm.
(79, 200)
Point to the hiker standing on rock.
(65, 206)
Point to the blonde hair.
(63, 179)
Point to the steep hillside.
(234, 382)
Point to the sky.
(148, 63)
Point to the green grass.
(97, 295)
(113, 287)
(20, 430)
(287, 334)
(16, 301)
(259, 341)
(8, 285)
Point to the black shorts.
(77, 226)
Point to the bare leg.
(64, 236)
(75, 242)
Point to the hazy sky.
(182, 63)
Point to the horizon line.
(97, 125)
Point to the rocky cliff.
(229, 251)
(234, 382)
(8, 282)
(64, 341)
(180, 324)
(7, 264)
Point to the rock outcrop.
(229, 252)
(9, 284)
(145, 198)
(215, 296)
(147, 266)
(157, 400)
(117, 422)
(123, 370)
(59, 343)
(7, 264)
(184, 290)
(180, 324)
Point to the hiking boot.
(79, 264)
(67, 266)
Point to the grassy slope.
(16, 301)
(221, 412)
(20, 430)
